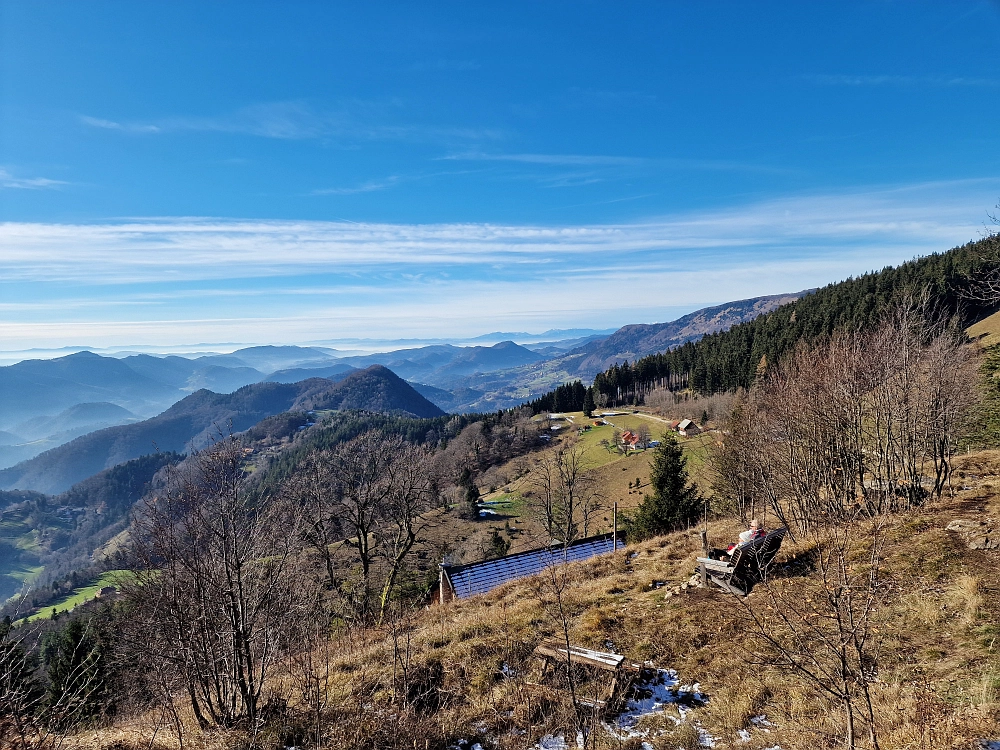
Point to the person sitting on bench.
(756, 531)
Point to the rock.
(963, 525)
(977, 534)
(984, 541)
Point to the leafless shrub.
(213, 596)
(566, 496)
(865, 422)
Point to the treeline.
(732, 359)
(568, 397)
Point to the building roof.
(685, 424)
(480, 577)
(630, 437)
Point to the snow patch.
(557, 742)
(653, 696)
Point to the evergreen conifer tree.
(76, 670)
(588, 403)
(674, 502)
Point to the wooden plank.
(727, 586)
(552, 649)
(711, 564)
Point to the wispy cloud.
(902, 80)
(173, 280)
(366, 187)
(97, 122)
(299, 120)
(8, 180)
(613, 161)
(562, 160)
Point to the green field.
(987, 331)
(695, 448)
(19, 554)
(81, 594)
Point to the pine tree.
(588, 403)
(76, 669)
(674, 503)
(497, 546)
(471, 495)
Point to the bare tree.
(824, 629)
(567, 496)
(861, 422)
(311, 487)
(402, 519)
(213, 595)
(366, 503)
(642, 432)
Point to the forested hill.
(730, 359)
(195, 419)
(375, 388)
(637, 340)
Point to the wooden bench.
(554, 652)
(747, 566)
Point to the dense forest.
(944, 282)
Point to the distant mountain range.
(490, 391)
(196, 419)
(46, 403)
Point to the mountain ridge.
(194, 420)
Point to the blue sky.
(180, 173)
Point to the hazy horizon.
(177, 173)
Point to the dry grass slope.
(465, 670)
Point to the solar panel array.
(480, 577)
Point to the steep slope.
(195, 420)
(633, 341)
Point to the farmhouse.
(687, 427)
(630, 439)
